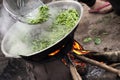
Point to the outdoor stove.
(62, 64)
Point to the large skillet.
(39, 55)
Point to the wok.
(19, 29)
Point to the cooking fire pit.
(61, 64)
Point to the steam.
(18, 40)
(20, 37)
(5, 21)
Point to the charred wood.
(101, 65)
(113, 56)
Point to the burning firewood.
(101, 65)
(113, 56)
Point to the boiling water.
(24, 39)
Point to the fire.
(77, 46)
(54, 53)
(78, 49)
(80, 52)
(78, 63)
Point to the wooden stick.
(113, 56)
(108, 54)
(101, 65)
(74, 73)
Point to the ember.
(88, 71)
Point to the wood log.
(113, 56)
(101, 65)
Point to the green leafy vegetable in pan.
(42, 37)
(63, 24)
(42, 15)
(67, 17)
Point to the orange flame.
(54, 53)
(77, 63)
(81, 52)
(78, 49)
(77, 46)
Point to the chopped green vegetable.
(67, 17)
(62, 24)
(97, 41)
(38, 44)
(42, 15)
(88, 39)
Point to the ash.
(94, 72)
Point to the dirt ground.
(104, 26)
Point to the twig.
(96, 63)
(74, 73)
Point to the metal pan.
(39, 55)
